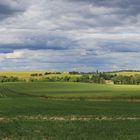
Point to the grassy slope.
(74, 90)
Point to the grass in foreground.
(70, 130)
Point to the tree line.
(96, 77)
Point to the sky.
(69, 35)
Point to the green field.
(72, 90)
(69, 111)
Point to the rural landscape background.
(69, 70)
(70, 105)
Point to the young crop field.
(74, 90)
(69, 111)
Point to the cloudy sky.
(83, 35)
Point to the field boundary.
(101, 99)
(67, 118)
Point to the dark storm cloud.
(117, 46)
(10, 48)
(9, 8)
(40, 44)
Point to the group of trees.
(41, 74)
(36, 74)
(8, 79)
(116, 79)
(47, 73)
(135, 79)
(80, 78)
